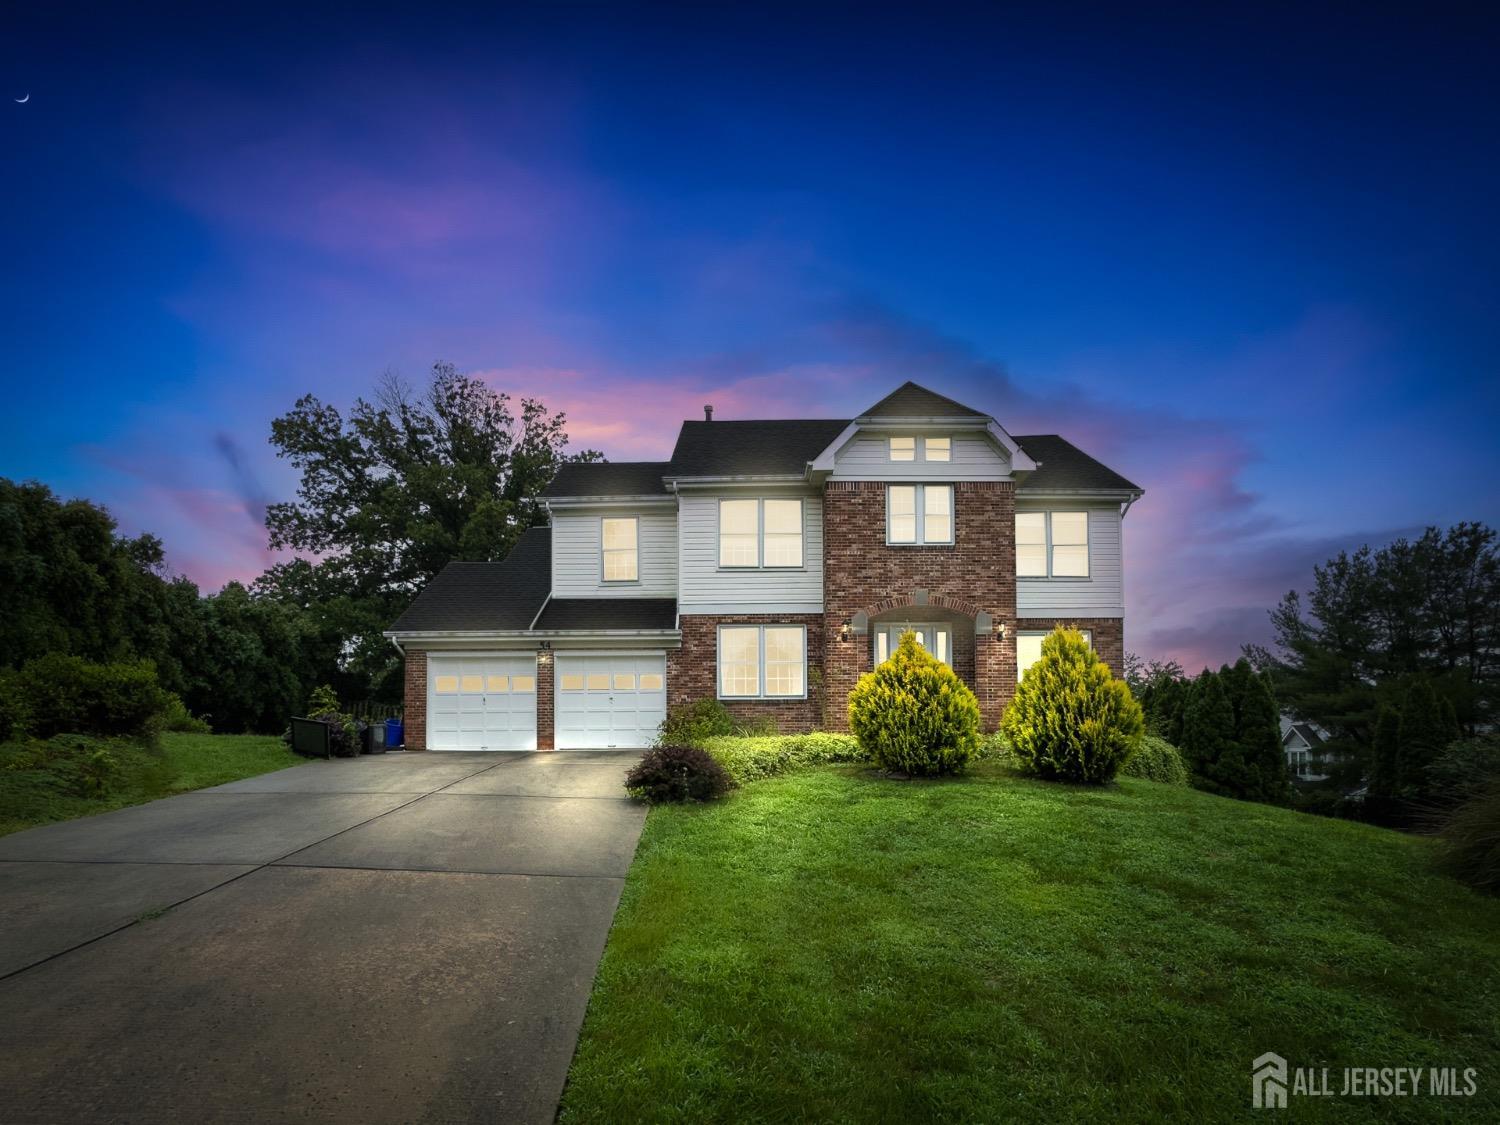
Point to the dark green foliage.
(689, 724)
(1071, 720)
(178, 718)
(1232, 736)
(913, 715)
(1156, 759)
(752, 757)
(1470, 839)
(1385, 755)
(1162, 690)
(59, 694)
(1467, 766)
(678, 773)
(1426, 728)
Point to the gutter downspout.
(538, 617)
(1126, 509)
(399, 649)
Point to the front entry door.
(935, 638)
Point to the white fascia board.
(937, 421)
(1071, 613)
(682, 483)
(522, 636)
(824, 462)
(1116, 495)
(1020, 460)
(654, 499)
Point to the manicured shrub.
(1071, 720)
(913, 715)
(61, 694)
(753, 758)
(1156, 759)
(688, 724)
(678, 773)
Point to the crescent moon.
(23, 101)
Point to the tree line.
(388, 494)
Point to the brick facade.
(691, 670)
(416, 699)
(974, 574)
(546, 680)
(1107, 635)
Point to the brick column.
(843, 664)
(416, 699)
(546, 668)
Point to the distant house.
(1303, 744)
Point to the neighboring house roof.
(785, 447)
(912, 401)
(485, 596)
(608, 478)
(1307, 733)
(771, 447)
(609, 613)
(1062, 466)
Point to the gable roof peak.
(912, 400)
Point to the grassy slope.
(180, 762)
(830, 946)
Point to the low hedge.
(755, 757)
(60, 694)
(1156, 759)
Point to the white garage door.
(481, 702)
(605, 701)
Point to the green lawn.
(833, 946)
(63, 778)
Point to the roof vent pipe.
(708, 413)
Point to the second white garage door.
(605, 701)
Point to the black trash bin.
(372, 739)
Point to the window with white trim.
(937, 449)
(936, 639)
(919, 514)
(760, 533)
(619, 537)
(762, 662)
(903, 449)
(1029, 648)
(1052, 544)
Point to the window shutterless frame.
(1029, 647)
(761, 662)
(1073, 538)
(633, 551)
(780, 540)
(919, 513)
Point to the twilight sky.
(1248, 260)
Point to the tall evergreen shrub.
(913, 715)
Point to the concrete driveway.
(402, 937)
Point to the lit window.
(783, 533)
(473, 683)
(523, 684)
(572, 682)
(499, 683)
(444, 685)
(624, 681)
(936, 639)
(937, 449)
(739, 532)
(1052, 544)
(598, 681)
(762, 661)
(933, 501)
(903, 449)
(621, 558)
(1029, 649)
(651, 681)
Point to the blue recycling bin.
(394, 735)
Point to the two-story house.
(768, 564)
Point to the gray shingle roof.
(1062, 466)
(608, 478)
(912, 401)
(609, 613)
(485, 596)
(781, 446)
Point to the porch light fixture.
(1000, 629)
(844, 631)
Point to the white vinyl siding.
(971, 456)
(919, 514)
(578, 547)
(1101, 594)
(762, 662)
(709, 588)
(621, 562)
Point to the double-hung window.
(762, 662)
(620, 536)
(933, 448)
(760, 533)
(919, 514)
(1029, 649)
(1052, 544)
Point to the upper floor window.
(933, 448)
(760, 533)
(762, 661)
(620, 538)
(1052, 544)
(1029, 649)
(919, 514)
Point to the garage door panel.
(609, 701)
(481, 703)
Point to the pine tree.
(1423, 733)
(1259, 738)
(1207, 730)
(1385, 755)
